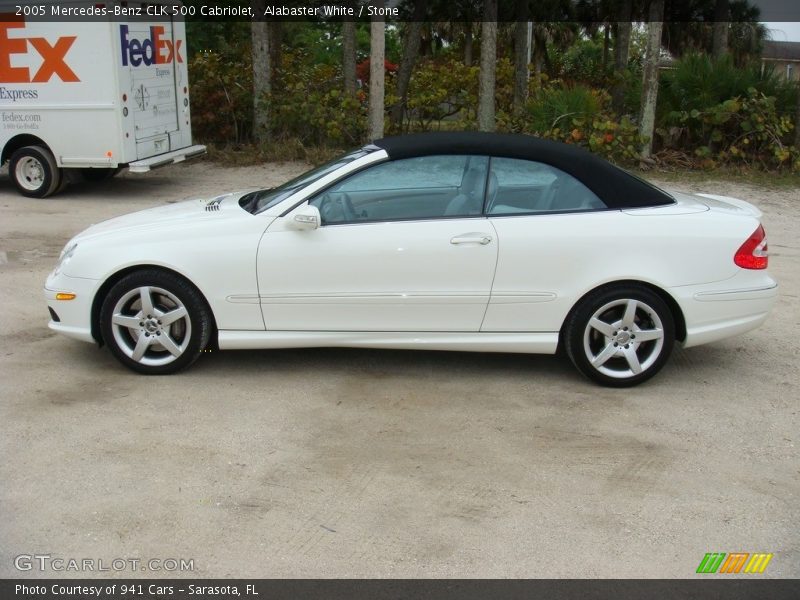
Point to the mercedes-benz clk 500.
(461, 241)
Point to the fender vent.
(214, 205)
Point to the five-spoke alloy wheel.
(155, 322)
(621, 335)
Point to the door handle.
(472, 238)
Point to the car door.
(402, 246)
(555, 234)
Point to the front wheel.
(155, 322)
(620, 336)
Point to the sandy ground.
(350, 463)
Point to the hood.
(188, 211)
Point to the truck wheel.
(34, 171)
(100, 174)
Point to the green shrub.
(439, 90)
(616, 140)
(222, 96)
(307, 104)
(745, 129)
(443, 94)
(698, 82)
(552, 105)
(583, 62)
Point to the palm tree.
(622, 48)
(736, 29)
(521, 57)
(262, 71)
(719, 45)
(411, 45)
(349, 55)
(650, 76)
(377, 73)
(486, 80)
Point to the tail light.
(753, 253)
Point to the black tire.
(65, 181)
(168, 292)
(48, 177)
(100, 174)
(614, 345)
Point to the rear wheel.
(620, 336)
(35, 172)
(155, 322)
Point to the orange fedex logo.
(53, 55)
(154, 50)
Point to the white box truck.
(91, 96)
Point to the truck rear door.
(150, 53)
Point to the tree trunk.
(377, 73)
(349, 57)
(411, 45)
(468, 45)
(262, 72)
(797, 119)
(622, 46)
(650, 76)
(275, 43)
(486, 80)
(606, 43)
(539, 50)
(521, 52)
(719, 44)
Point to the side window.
(425, 187)
(526, 187)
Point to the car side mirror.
(306, 218)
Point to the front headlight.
(65, 256)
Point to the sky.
(786, 31)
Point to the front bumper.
(726, 308)
(74, 316)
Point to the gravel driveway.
(351, 463)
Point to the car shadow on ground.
(421, 367)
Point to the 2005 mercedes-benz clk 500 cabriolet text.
(460, 241)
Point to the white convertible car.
(460, 241)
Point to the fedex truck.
(88, 96)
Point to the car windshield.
(256, 202)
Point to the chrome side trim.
(737, 294)
(379, 298)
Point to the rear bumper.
(727, 308)
(162, 160)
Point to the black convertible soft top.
(615, 187)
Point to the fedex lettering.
(53, 55)
(150, 51)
